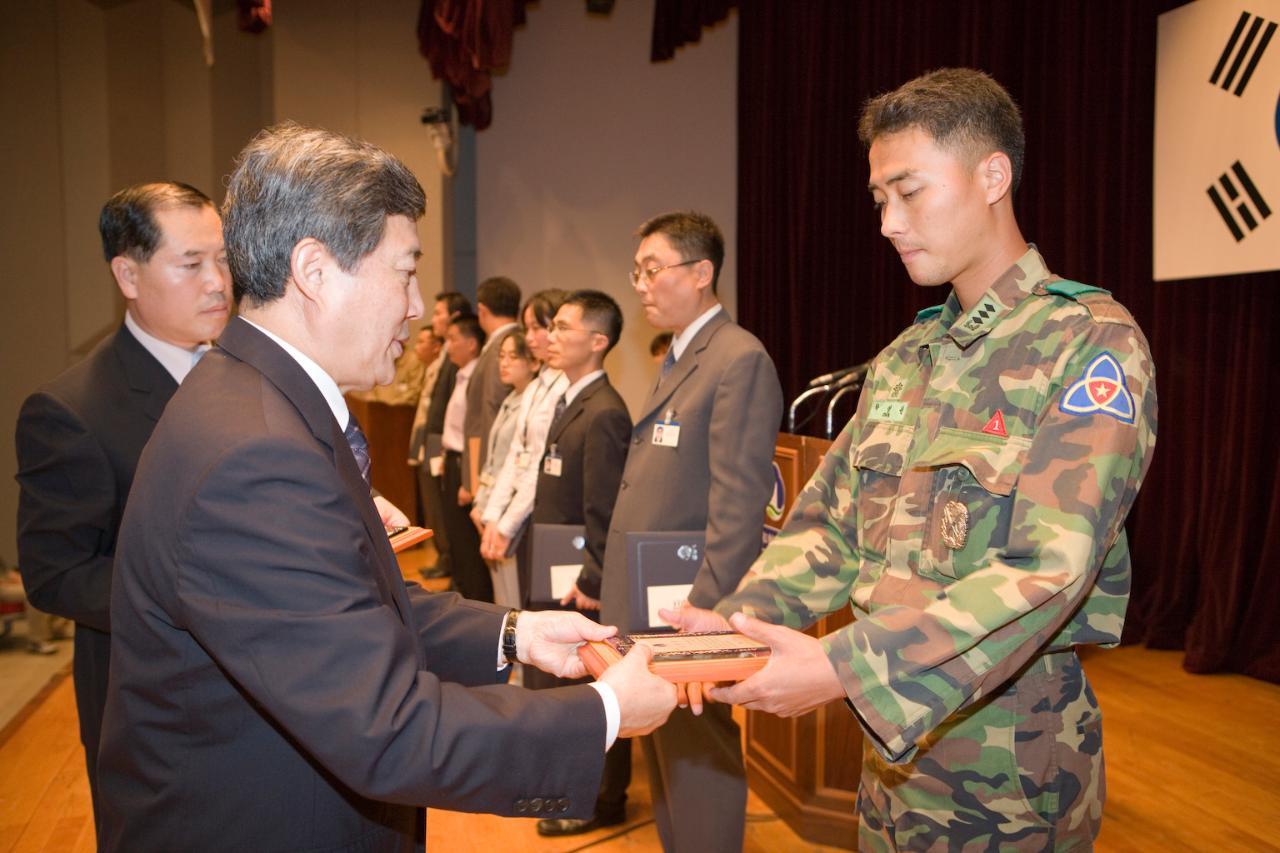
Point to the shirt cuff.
(612, 713)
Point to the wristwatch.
(509, 636)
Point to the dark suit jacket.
(724, 392)
(591, 437)
(78, 441)
(275, 684)
(485, 393)
(445, 380)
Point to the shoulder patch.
(1072, 289)
(1103, 389)
(928, 313)
(1100, 304)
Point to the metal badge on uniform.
(552, 464)
(666, 432)
(955, 524)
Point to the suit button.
(535, 805)
(564, 804)
(522, 806)
(638, 440)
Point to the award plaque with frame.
(696, 656)
(406, 537)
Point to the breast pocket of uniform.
(879, 458)
(975, 480)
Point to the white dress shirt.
(681, 341)
(511, 501)
(455, 414)
(177, 360)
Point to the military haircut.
(468, 325)
(454, 302)
(694, 235)
(292, 182)
(127, 223)
(545, 304)
(601, 311)
(964, 110)
(500, 295)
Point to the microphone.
(828, 378)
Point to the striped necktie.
(359, 446)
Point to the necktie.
(667, 363)
(359, 446)
(560, 407)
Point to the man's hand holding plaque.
(797, 678)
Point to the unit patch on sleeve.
(1101, 389)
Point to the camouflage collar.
(1009, 290)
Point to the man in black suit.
(275, 682)
(79, 437)
(425, 443)
(497, 304)
(586, 450)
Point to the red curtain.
(464, 41)
(678, 22)
(823, 289)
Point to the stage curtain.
(678, 22)
(823, 289)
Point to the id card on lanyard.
(552, 464)
(666, 432)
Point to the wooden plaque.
(407, 537)
(709, 656)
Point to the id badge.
(551, 466)
(437, 466)
(666, 434)
(522, 458)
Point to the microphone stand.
(791, 415)
(831, 405)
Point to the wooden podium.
(807, 768)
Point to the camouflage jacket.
(972, 511)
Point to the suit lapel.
(684, 366)
(575, 408)
(146, 376)
(249, 345)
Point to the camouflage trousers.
(1021, 770)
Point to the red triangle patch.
(995, 426)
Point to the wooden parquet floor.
(1193, 764)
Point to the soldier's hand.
(690, 618)
(549, 640)
(798, 677)
(644, 699)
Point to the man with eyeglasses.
(701, 459)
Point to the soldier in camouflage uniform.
(972, 511)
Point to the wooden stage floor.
(1193, 764)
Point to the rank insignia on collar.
(1102, 389)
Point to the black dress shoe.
(434, 572)
(554, 826)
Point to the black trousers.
(470, 571)
(431, 490)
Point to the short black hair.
(963, 109)
(127, 223)
(661, 343)
(500, 295)
(600, 310)
(694, 235)
(454, 302)
(545, 304)
(469, 325)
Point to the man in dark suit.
(578, 484)
(497, 304)
(701, 459)
(275, 683)
(80, 436)
(425, 443)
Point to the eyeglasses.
(562, 328)
(648, 274)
